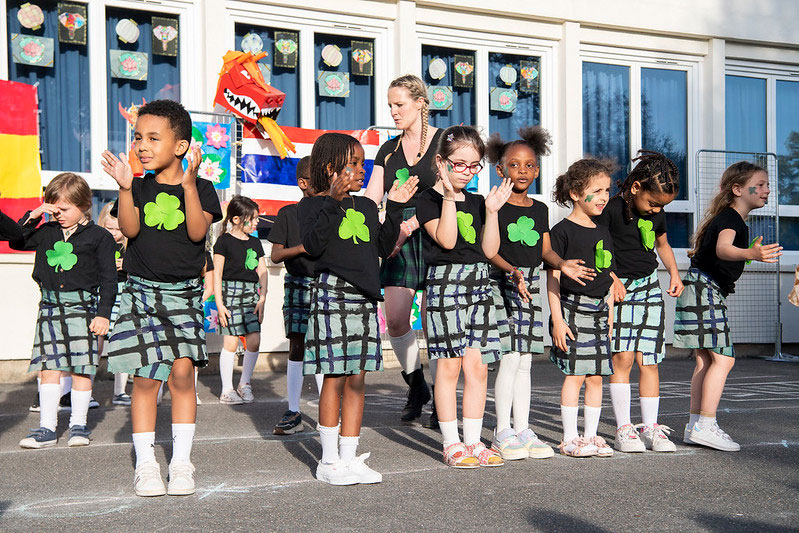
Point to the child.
(159, 335)
(240, 291)
(343, 339)
(74, 267)
(720, 250)
(581, 312)
(287, 246)
(460, 232)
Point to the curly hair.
(577, 178)
(177, 116)
(329, 155)
(536, 137)
(655, 173)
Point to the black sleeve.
(9, 230)
(609, 246)
(482, 212)
(316, 223)
(426, 209)
(30, 234)
(544, 216)
(389, 230)
(660, 224)
(559, 241)
(384, 150)
(279, 232)
(107, 267)
(220, 247)
(208, 199)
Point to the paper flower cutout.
(252, 260)
(31, 49)
(352, 226)
(602, 257)
(197, 138)
(522, 231)
(30, 16)
(165, 34)
(211, 168)
(72, 22)
(61, 256)
(130, 64)
(505, 100)
(402, 175)
(647, 235)
(216, 136)
(465, 227)
(333, 84)
(164, 213)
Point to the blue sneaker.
(78, 436)
(39, 438)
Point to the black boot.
(418, 395)
(432, 423)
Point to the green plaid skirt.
(62, 340)
(296, 303)
(343, 334)
(407, 268)
(589, 354)
(518, 322)
(240, 298)
(158, 323)
(700, 320)
(460, 312)
(115, 308)
(639, 320)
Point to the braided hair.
(537, 138)
(655, 173)
(416, 89)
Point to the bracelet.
(406, 228)
(449, 199)
(514, 271)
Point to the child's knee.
(623, 362)
(253, 341)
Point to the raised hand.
(404, 192)
(194, 157)
(340, 185)
(118, 168)
(50, 209)
(443, 176)
(498, 196)
(768, 253)
(574, 269)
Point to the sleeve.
(384, 150)
(660, 224)
(209, 262)
(427, 209)
(208, 199)
(106, 265)
(9, 229)
(259, 248)
(544, 217)
(482, 211)
(220, 246)
(279, 232)
(389, 230)
(559, 241)
(30, 234)
(316, 219)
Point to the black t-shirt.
(592, 245)
(286, 231)
(471, 214)
(162, 251)
(241, 257)
(424, 169)
(725, 273)
(347, 239)
(119, 253)
(521, 232)
(209, 262)
(633, 242)
(9, 230)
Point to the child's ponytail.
(655, 173)
(536, 137)
(239, 206)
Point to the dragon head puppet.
(243, 91)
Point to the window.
(788, 161)
(606, 113)
(334, 111)
(745, 114)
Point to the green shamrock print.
(164, 213)
(751, 245)
(602, 257)
(117, 255)
(352, 226)
(252, 260)
(522, 230)
(402, 176)
(647, 235)
(465, 227)
(61, 256)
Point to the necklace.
(352, 198)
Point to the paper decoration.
(30, 16)
(266, 72)
(440, 98)
(127, 31)
(216, 136)
(503, 99)
(529, 76)
(128, 65)
(210, 316)
(165, 36)
(32, 50)
(362, 58)
(252, 42)
(211, 169)
(331, 55)
(333, 84)
(416, 311)
(72, 23)
(437, 68)
(508, 75)
(464, 71)
(214, 140)
(286, 49)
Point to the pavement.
(249, 479)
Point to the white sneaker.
(147, 480)
(714, 437)
(656, 437)
(686, 436)
(230, 397)
(199, 401)
(365, 474)
(245, 391)
(602, 447)
(181, 479)
(627, 440)
(337, 473)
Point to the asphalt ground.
(250, 480)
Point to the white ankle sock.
(182, 439)
(320, 378)
(692, 419)
(66, 384)
(329, 438)
(144, 446)
(620, 399)
(521, 393)
(406, 349)
(568, 416)
(649, 409)
(80, 407)
(247, 367)
(503, 390)
(449, 432)
(226, 359)
(120, 382)
(472, 428)
(49, 396)
(705, 422)
(347, 448)
(591, 420)
(294, 384)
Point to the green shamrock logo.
(61, 256)
(647, 235)
(602, 257)
(402, 176)
(251, 261)
(465, 227)
(352, 226)
(164, 212)
(117, 255)
(522, 230)
(751, 245)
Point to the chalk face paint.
(589, 197)
(752, 190)
(449, 166)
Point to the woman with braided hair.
(408, 154)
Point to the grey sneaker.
(230, 397)
(78, 436)
(245, 391)
(39, 438)
(181, 479)
(628, 440)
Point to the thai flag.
(272, 181)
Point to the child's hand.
(618, 290)
(223, 315)
(498, 196)
(340, 185)
(50, 209)
(449, 191)
(574, 269)
(259, 309)
(675, 287)
(559, 332)
(404, 192)
(195, 157)
(765, 254)
(521, 286)
(118, 168)
(99, 326)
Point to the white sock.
(38, 383)
(329, 438)
(504, 389)
(649, 409)
(692, 419)
(226, 359)
(620, 399)
(66, 384)
(144, 446)
(294, 384)
(568, 416)
(522, 386)
(182, 439)
(247, 366)
(80, 407)
(120, 382)
(449, 432)
(320, 378)
(472, 428)
(591, 416)
(406, 349)
(49, 396)
(705, 422)
(347, 448)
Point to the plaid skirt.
(62, 340)
(460, 312)
(407, 268)
(115, 308)
(589, 354)
(240, 298)
(700, 319)
(158, 323)
(518, 322)
(296, 303)
(343, 334)
(639, 321)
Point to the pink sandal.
(578, 447)
(457, 456)
(485, 456)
